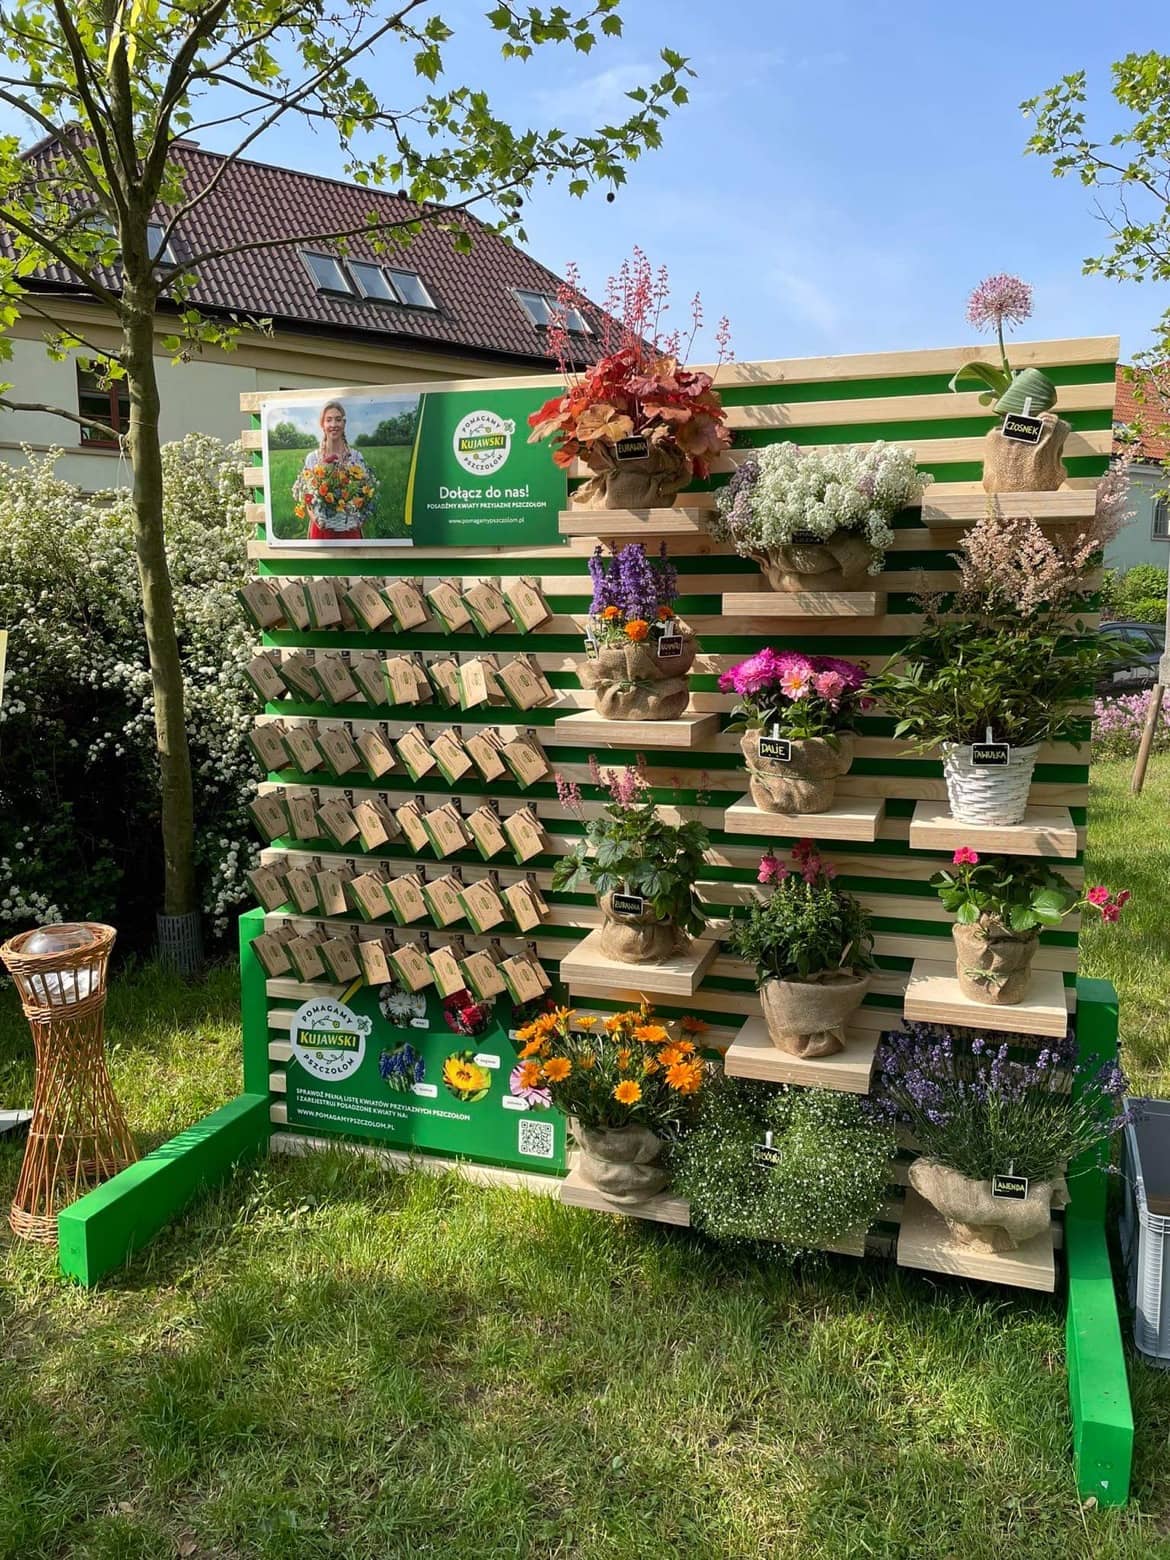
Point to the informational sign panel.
(409, 467)
(385, 1066)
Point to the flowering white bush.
(79, 835)
(783, 494)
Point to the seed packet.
(447, 605)
(269, 886)
(324, 608)
(374, 747)
(406, 603)
(340, 957)
(410, 966)
(484, 827)
(302, 744)
(401, 680)
(336, 819)
(371, 952)
(526, 605)
(340, 750)
(446, 830)
(481, 905)
(483, 975)
(416, 757)
(261, 604)
(267, 742)
(302, 815)
(525, 834)
(451, 756)
(487, 607)
(306, 959)
(409, 818)
(365, 668)
(524, 684)
(294, 603)
(406, 901)
(471, 679)
(261, 672)
(445, 968)
(526, 759)
(484, 749)
(526, 907)
(367, 893)
(302, 886)
(273, 956)
(334, 676)
(368, 605)
(331, 883)
(300, 673)
(443, 901)
(443, 676)
(270, 815)
(523, 977)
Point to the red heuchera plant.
(640, 386)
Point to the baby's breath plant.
(822, 1175)
(78, 771)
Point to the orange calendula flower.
(612, 612)
(693, 1026)
(628, 1092)
(637, 629)
(685, 1077)
(530, 1075)
(557, 1069)
(533, 1048)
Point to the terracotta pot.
(996, 796)
(1012, 467)
(632, 682)
(807, 783)
(623, 1163)
(841, 563)
(808, 1018)
(993, 964)
(652, 481)
(638, 939)
(978, 1220)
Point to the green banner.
(386, 1067)
(410, 467)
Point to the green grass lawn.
(389, 464)
(330, 1359)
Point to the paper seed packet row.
(375, 820)
(376, 895)
(404, 678)
(372, 604)
(371, 750)
(319, 953)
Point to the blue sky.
(844, 173)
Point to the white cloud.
(597, 98)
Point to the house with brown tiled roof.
(1141, 420)
(323, 314)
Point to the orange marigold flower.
(530, 1075)
(637, 629)
(693, 1026)
(685, 1077)
(664, 614)
(557, 1069)
(533, 1048)
(612, 612)
(628, 1092)
(651, 1034)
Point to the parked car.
(1144, 644)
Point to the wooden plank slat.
(934, 406)
(844, 821)
(752, 1055)
(690, 730)
(1059, 353)
(1045, 831)
(576, 1192)
(925, 1242)
(678, 976)
(803, 604)
(940, 512)
(933, 997)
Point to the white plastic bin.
(1145, 1227)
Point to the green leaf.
(987, 374)
(968, 913)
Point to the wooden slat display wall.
(900, 397)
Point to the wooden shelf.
(925, 1242)
(679, 976)
(803, 603)
(846, 820)
(691, 730)
(933, 997)
(1045, 831)
(663, 1209)
(946, 510)
(631, 522)
(752, 1055)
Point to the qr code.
(537, 1139)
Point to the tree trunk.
(178, 811)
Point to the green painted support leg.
(1097, 1381)
(253, 1005)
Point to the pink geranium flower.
(966, 857)
(1099, 895)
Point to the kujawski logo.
(482, 442)
(329, 1039)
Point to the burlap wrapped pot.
(653, 481)
(807, 783)
(623, 1163)
(980, 1221)
(638, 939)
(1012, 467)
(808, 1018)
(841, 563)
(631, 682)
(993, 963)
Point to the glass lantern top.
(69, 937)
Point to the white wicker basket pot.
(638, 939)
(651, 481)
(621, 1162)
(978, 1220)
(808, 1018)
(841, 563)
(998, 796)
(806, 783)
(992, 963)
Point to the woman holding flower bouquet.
(335, 489)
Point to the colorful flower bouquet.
(812, 949)
(639, 419)
(1012, 464)
(341, 497)
(976, 1113)
(638, 652)
(817, 519)
(797, 714)
(1000, 904)
(627, 1083)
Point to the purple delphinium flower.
(605, 583)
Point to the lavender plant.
(974, 1106)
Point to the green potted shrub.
(813, 952)
(1000, 904)
(628, 1084)
(796, 713)
(802, 1167)
(643, 869)
(817, 519)
(978, 1113)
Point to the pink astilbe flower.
(999, 300)
(568, 793)
(595, 770)
(625, 785)
(1009, 567)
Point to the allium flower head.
(999, 300)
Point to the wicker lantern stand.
(78, 1135)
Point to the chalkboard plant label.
(778, 748)
(1021, 429)
(990, 755)
(670, 647)
(1010, 1188)
(631, 449)
(628, 904)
